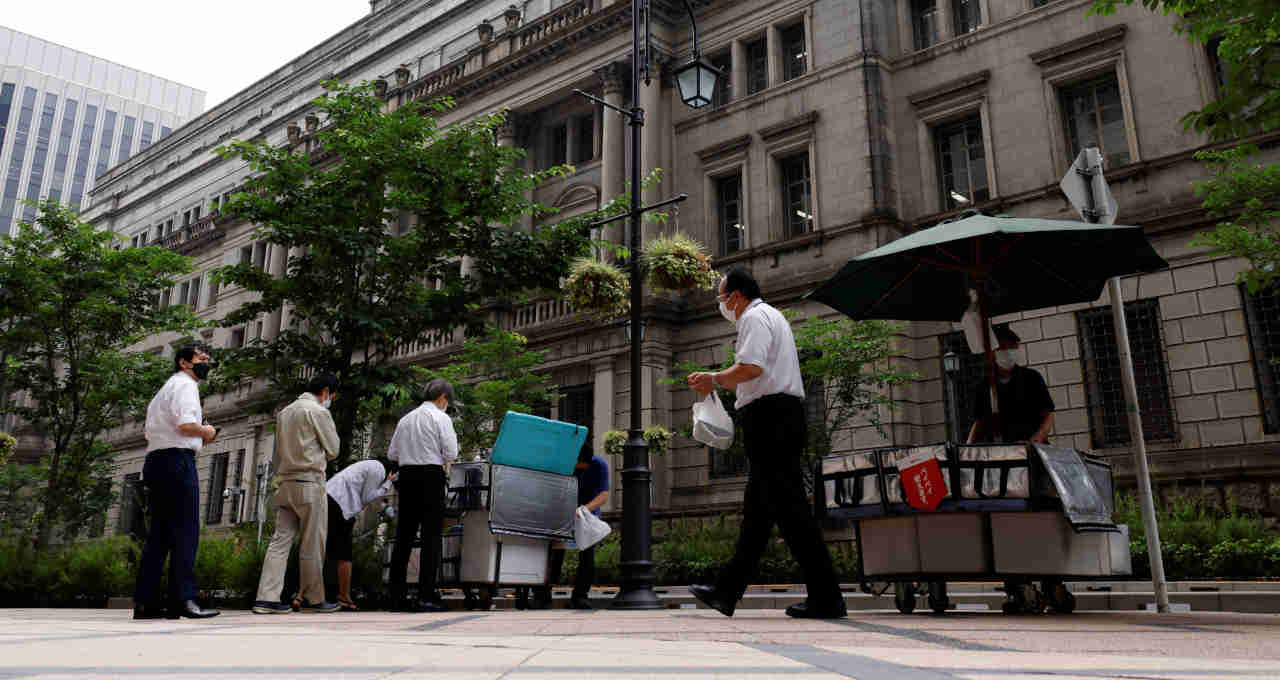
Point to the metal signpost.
(1085, 185)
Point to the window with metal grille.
(962, 163)
(577, 406)
(924, 23)
(1094, 114)
(757, 65)
(966, 16)
(1100, 359)
(217, 484)
(724, 85)
(238, 492)
(961, 386)
(132, 520)
(797, 196)
(1262, 315)
(730, 462)
(815, 416)
(729, 212)
(795, 51)
(1215, 62)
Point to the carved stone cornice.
(725, 148)
(804, 120)
(933, 95)
(613, 76)
(1071, 47)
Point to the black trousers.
(173, 501)
(421, 489)
(585, 576)
(774, 434)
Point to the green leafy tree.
(76, 305)
(1249, 52)
(357, 291)
(850, 361)
(1245, 195)
(494, 374)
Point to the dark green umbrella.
(1014, 263)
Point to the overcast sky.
(220, 47)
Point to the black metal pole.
(636, 589)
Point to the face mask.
(1006, 359)
(726, 312)
(326, 403)
(201, 370)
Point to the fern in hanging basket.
(597, 288)
(679, 264)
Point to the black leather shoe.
(579, 603)
(143, 612)
(191, 610)
(709, 596)
(407, 606)
(432, 606)
(804, 610)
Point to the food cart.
(509, 509)
(1029, 515)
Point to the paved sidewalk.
(667, 644)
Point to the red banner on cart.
(922, 481)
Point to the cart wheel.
(522, 598)
(1035, 600)
(1022, 599)
(938, 600)
(904, 596)
(1060, 599)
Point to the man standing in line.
(358, 485)
(306, 439)
(175, 432)
(770, 399)
(424, 441)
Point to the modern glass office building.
(67, 116)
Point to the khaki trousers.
(301, 514)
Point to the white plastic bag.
(711, 423)
(972, 324)
(588, 529)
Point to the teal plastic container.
(535, 443)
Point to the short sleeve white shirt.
(177, 403)
(765, 340)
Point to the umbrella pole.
(1139, 447)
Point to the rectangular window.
(1262, 315)
(246, 254)
(195, 214)
(237, 490)
(126, 139)
(6, 105)
(1108, 416)
(962, 163)
(585, 142)
(729, 213)
(44, 135)
(924, 23)
(164, 131)
(217, 484)
(260, 255)
(961, 385)
(63, 153)
(166, 297)
(186, 218)
(85, 147)
(213, 293)
(142, 239)
(104, 144)
(131, 521)
(11, 188)
(966, 16)
(236, 341)
(577, 405)
(757, 52)
(795, 53)
(133, 242)
(1094, 114)
(797, 195)
(184, 291)
(168, 226)
(194, 300)
(148, 130)
(557, 145)
(1215, 62)
(724, 83)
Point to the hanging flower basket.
(597, 288)
(656, 436)
(679, 264)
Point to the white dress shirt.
(424, 436)
(177, 403)
(765, 340)
(357, 486)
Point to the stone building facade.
(846, 124)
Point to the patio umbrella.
(1014, 264)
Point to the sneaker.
(265, 607)
(319, 607)
(711, 597)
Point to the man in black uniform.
(1026, 409)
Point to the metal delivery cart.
(1018, 513)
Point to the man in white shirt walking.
(175, 433)
(306, 439)
(424, 441)
(358, 485)
(770, 405)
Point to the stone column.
(603, 420)
(287, 313)
(738, 64)
(654, 138)
(613, 148)
(276, 267)
(946, 30)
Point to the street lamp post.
(697, 81)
